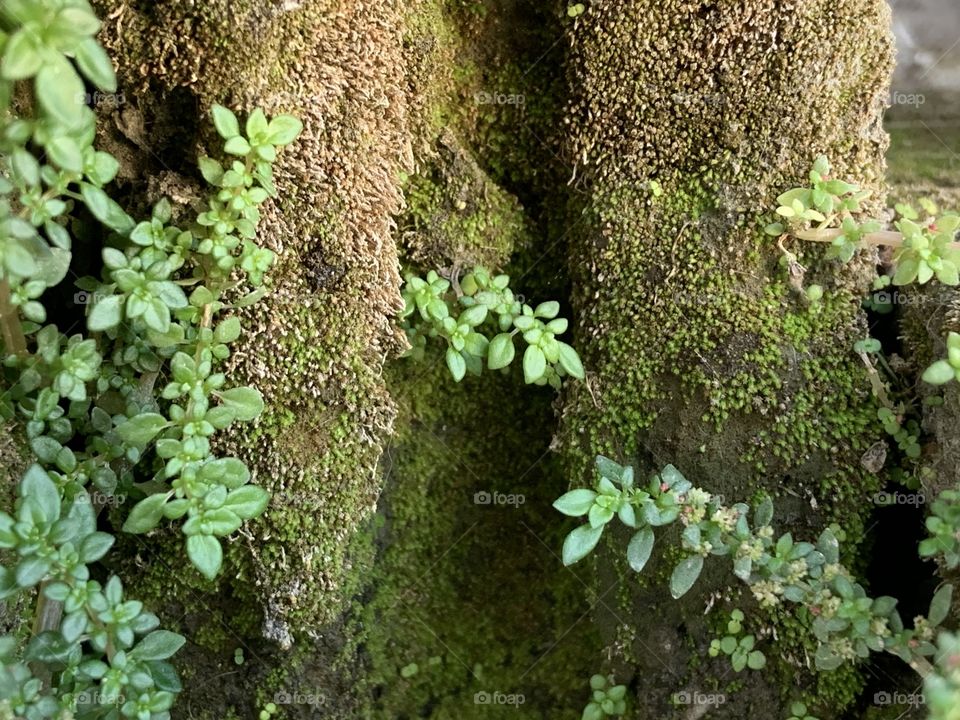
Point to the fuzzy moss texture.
(316, 346)
(699, 351)
(688, 118)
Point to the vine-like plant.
(847, 623)
(128, 409)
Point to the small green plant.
(923, 250)
(738, 649)
(824, 200)
(943, 523)
(268, 711)
(128, 409)
(606, 699)
(847, 623)
(479, 318)
(943, 371)
(798, 711)
(927, 251)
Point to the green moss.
(473, 593)
(700, 351)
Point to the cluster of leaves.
(738, 649)
(607, 699)
(847, 624)
(906, 436)
(823, 201)
(927, 248)
(97, 426)
(943, 523)
(141, 307)
(479, 317)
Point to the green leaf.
(500, 352)
(22, 57)
(456, 364)
(106, 210)
(66, 153)
(756, 660)
(685, 575)
(939, 373)
(60, 91)
(95, 546)
(225, 122)
(940, 605)
(547, 310)
(570, 361)
(283, 130)
(534, 364)
(576, 502)
(37, 486)
(237, 146)
(763, 515)
(146, 514)
(94, 62)
(639, 549)
(106, 313)
(246, 402)
(580, 542)
(228, 330)
(248, 501)
(140, 429)
(907, 271)
(609, 469)
(206, 554)
(158, 645)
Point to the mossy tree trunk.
(687, 120)
(683, 121)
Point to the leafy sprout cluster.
(847, 623)
(479, 318)
(128, 408)
(740, 649)
(943, 523)
(824, 201)
(607, 699)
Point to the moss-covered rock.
(687, 119)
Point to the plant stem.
(13, 338)
(884, 238)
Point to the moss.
(699, 351)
